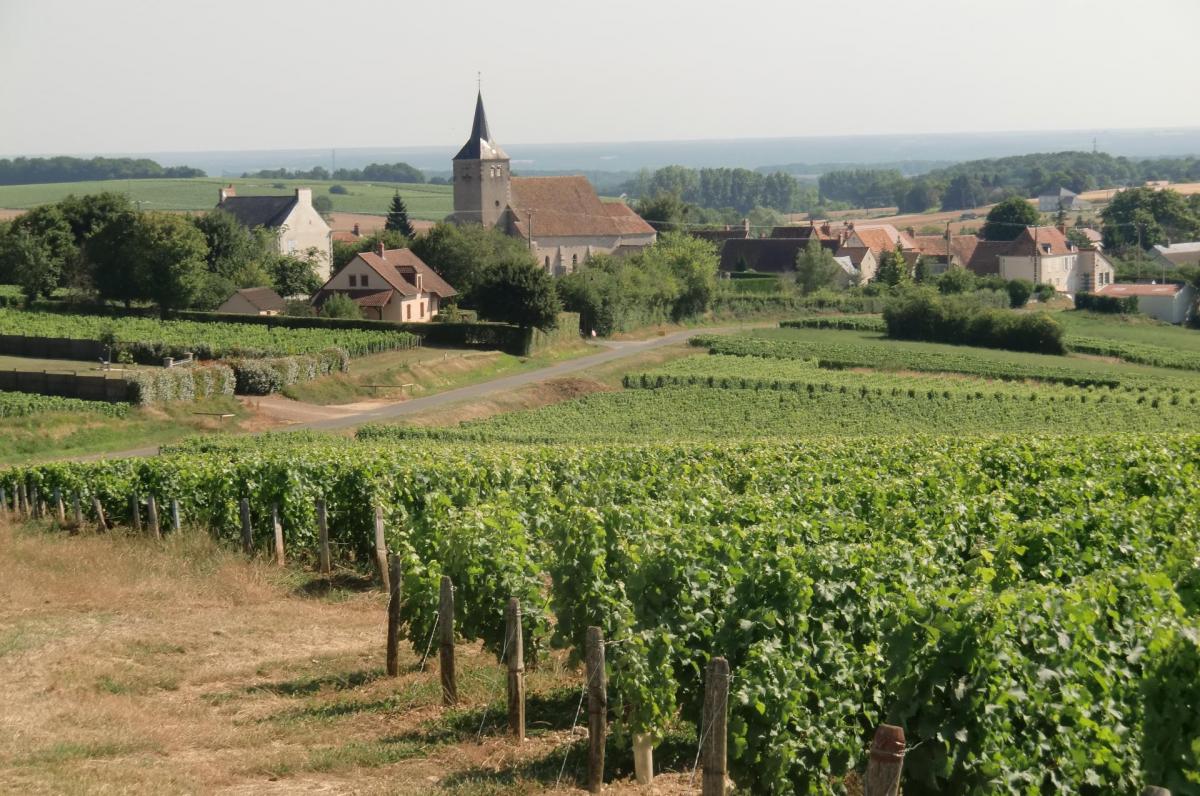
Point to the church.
(561, 218)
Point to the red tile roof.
(882, 236)
(985, 258)
(399, 268)
(1045, 241)
(1119, 289)
(569, 207)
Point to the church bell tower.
(481, 176)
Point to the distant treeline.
(977, 182)
(26, 171)
(374, 172)
(736, 189)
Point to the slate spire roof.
(480, 145)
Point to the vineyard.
(19, 404)
(148, 339)
(1026, 609)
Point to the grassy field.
(1139, 329)
(56, 435)
(429, 202)
(183, 668)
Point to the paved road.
(613, 351)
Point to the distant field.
(430, 202)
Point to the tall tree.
(1148, 217)
(666, 212)
(110, 254)
(30, 263)
(893, 268)
(693, 263)
(815, 267)
(463, 254)
(1009, 218)
(520, 293)
(169, 260)
(397, 218)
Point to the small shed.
(1166, 302)
(253, 301)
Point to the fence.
(885, 759)
(66, 385)
(19, 345)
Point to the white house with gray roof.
(298, 227)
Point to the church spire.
(480, 145)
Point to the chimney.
(355, 230)
(227, 192)
(746, 226)
(379, 248)
(304, 196)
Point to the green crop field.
(428, 202)
(996, 551)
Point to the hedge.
(1116, 305)
(924, 315)
(265, 376)
(182, 383)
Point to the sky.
(162, 75)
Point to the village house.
(389, 285)
(253, 301)
(1174, 255)
(941, 254)
(1166, 302)
(561, 219)
(298, 227)
(1062, 199)
(1043, 255)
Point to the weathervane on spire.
(479, 81)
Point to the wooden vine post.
(98, 510)
(597, 691)
(152, 517)
(77, 510)
(247, 532)
(381, 557)
(515, 644)
(60, 509)
(22, 500)
(277, 527)
(36, 504)
(446, 649)
(135, 512)
(175, 521)
(714, 725)
(393, 620)
(3, 503)
(885, 762)
(324, 563)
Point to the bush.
(1117, 305)
(157, 385)
(1044, 292)
(265, 376)
(339, 305)
(338, 189)
(1019, 291)
(924, 315)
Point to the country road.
(613, 350)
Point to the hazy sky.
(163, 75)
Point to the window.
(574, 260)
(547, 262)
(408, 312)
(364, 280)
(422, 309)
(353, 280)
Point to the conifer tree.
(397, 218)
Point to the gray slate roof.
(259, 211)
(480, 145)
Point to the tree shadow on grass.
(566, 764)
(343, 580)
(306, 686)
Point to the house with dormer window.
(389, 285)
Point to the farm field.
(994, 550)
(427, 202)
